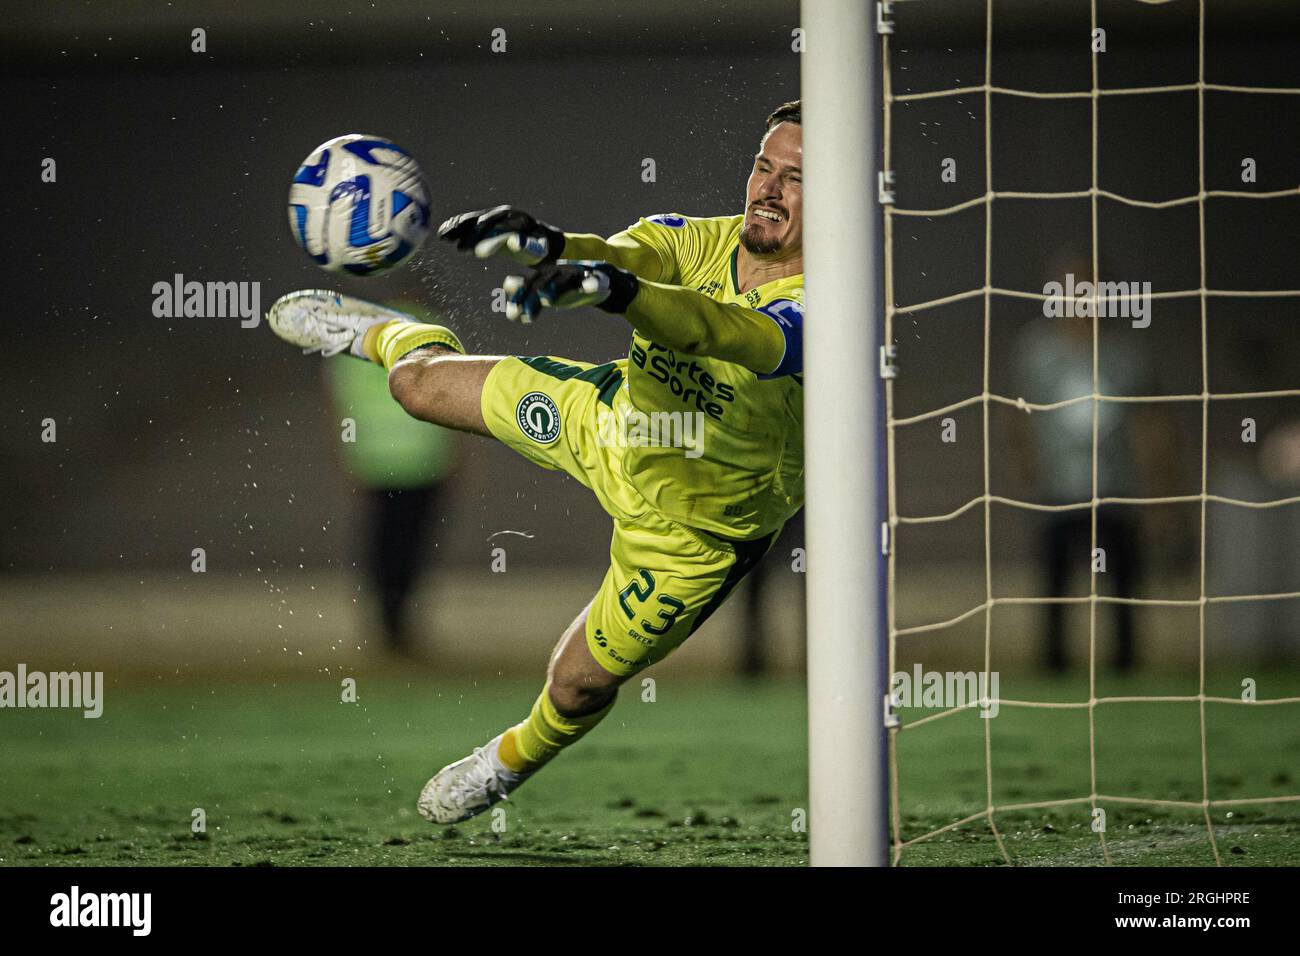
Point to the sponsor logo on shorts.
(538, 417)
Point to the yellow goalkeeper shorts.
(664, 578)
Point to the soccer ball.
(359, 204)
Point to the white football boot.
(317, 320)
(469, 786)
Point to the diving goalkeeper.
(716, 310)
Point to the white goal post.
(843, 425)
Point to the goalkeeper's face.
(774, 195)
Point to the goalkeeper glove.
(507, 230)
(568, 284)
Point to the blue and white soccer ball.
(359, 204)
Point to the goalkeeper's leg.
(429, 374)
(664, 581)
(434, 381)
(429, 377)
(578, 694)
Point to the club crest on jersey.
(538, 417)
(667, 219)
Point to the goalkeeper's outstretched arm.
(511, 232)
(624, 251)
(686, 321)
(628, 276)
(767, 340)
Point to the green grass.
(1144, 751)
(709, 774)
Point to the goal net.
(1092, 220)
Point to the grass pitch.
(708, 774)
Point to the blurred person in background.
(755, 631)
(400, 466)
(1054, 364)
(1256, 551)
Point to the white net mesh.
(984, 501)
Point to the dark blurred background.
(182, 433)
(177, 434)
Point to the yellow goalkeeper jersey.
(743, 476)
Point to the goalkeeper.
(716, 310)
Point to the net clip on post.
(887, 355)
(885, 186)
(888, 713)
(884, 10)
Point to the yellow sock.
(389, 341)
(544, 734)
